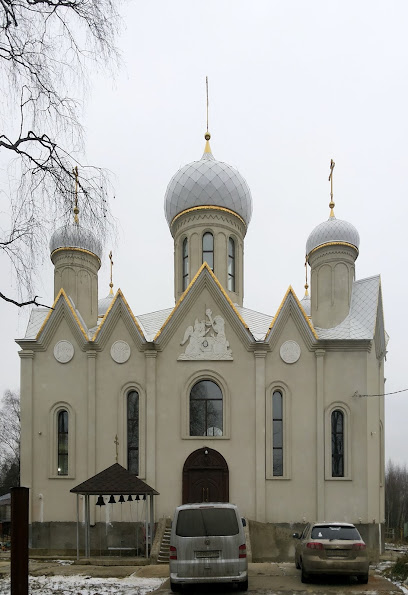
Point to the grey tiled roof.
(257, 323)
(151, 323)
(208, 182)
(35, 322)
(306, 304)
(360, 323)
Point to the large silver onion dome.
(75, 236)
(208, 182)
(332, 231)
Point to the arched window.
(133, 431)
(206, 415)
(231, 264)
(277, 440)
(185, 264)
(208, 249)
(62, 442)
(337, 443)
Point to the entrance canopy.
(114, 481)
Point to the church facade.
(208, 400)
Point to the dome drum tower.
(208, 207)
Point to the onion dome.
(333, 231)
(104, 303)
(208, 182)
(75, 236)
(306, 303)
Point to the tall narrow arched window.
(206, 409)
(208, 249)
(337, 443)
(277, 422)
(185, 264)
(133, 431)
(231, 264)
(62, 428)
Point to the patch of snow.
(86, 585)
(64, 562)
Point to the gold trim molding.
(333, 244)
(208, 208)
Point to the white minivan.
(207, 545)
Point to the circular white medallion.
(120, 352)
(63, 352)
(290, 352)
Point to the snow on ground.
(86, 585)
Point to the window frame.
(212, 251)
(129, 448)
(347, 475)
(286, 431)
(53, 444)
(122, 426)
(206, 401)
(231, 277)
(184, 264)
(185, 405)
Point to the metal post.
(147, 529)
(19, 541)
(151, 519)
(77, 526)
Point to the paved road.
(284, 579)
(267, 578)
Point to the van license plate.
(208, 554)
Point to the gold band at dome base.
(76, 250)
(333, 244)
(208, 208)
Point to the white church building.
(208, 400)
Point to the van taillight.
(314, 545)
(173, 553)
(242, 551)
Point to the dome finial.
(331, 203)
(207, 135)
(306, 284)
(76, 209)
(111, 268)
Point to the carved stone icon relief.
(206, 340)
(63, 352)
(120, 352)
(290, 352)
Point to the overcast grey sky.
(292, 85)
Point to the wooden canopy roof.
(115, 480)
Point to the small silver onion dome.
(104, 303)
(306, 304)
(75, 236)
(332, 231)
(208, 182)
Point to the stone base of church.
(273, 542)
(270, 542)
(116, 539)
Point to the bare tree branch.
(46, 48)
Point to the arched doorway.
(205, 477)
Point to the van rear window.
(200, 522)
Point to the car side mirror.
(243, 522)
(296, 536)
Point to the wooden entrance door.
(205, 477)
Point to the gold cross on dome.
(111, 267)
(331, 204)
(76, 210)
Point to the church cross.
(76, 210)
(111, 267)
(116, 442)
(331, 204)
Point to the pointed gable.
(204, 278)
(291, 306)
